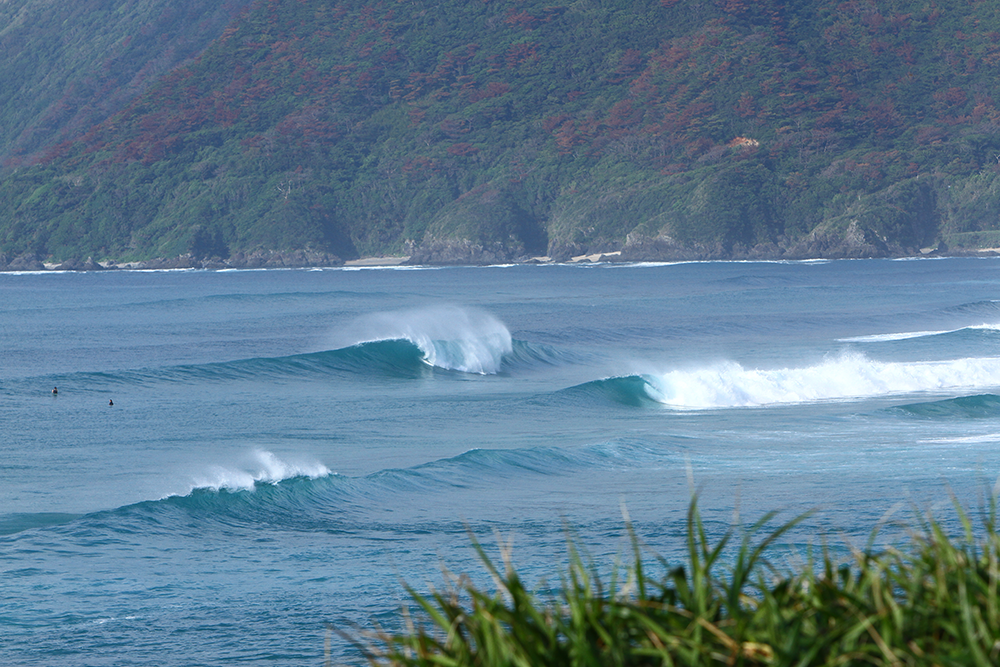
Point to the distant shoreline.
(377, 261)
(300, 260)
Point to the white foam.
(261, 466)
(112, 619)
(388, 267)
(847, 377)
(964, 440)
(879, 338)
(461, 339)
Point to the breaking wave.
(448, 337)
(391, 358)
(263, 467)
(631, 390)
(850, 376)
(307, 496)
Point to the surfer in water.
(110, 402)
(55, 390)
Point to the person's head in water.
(55, 390)
(110, 402)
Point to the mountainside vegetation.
(497, 130)
(68, 66)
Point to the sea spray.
(449, 337)
(845, 377)
(261, 466)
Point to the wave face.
(393, 358)
(983, 307)
(849, 376)
(390, 358)
(15, 523)
(268, 491)
(452, 338)
(980, 406)
(259, 486)
(395, 344)
(536, 356)
(630, 390)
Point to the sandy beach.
(376, 261)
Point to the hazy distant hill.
(492, 130)
(65, 66)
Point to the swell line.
(908, 335)
(847, 377)
(308, 496)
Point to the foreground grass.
(932, 601)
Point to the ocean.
(286, 448)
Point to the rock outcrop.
(257, 259)
(459, 252)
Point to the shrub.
(931, 601)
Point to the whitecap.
(449, 337)
(261, 466)
(850, 376)
(881, 338)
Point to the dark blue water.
(285, 446)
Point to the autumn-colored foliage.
(356, 126)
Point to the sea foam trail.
(460, 339)
(847, 377)
(906, 335)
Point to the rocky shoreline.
(857, 243)
(853, 241)
(258, 259)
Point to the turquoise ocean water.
(286, 446)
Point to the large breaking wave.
(846, 377)
(850, 376)
(403, 344)
(461, 339)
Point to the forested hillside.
(496, 130)
(66, 66)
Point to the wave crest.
(849, 376)
(262, 467)
(988, 329)
(452, 338)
